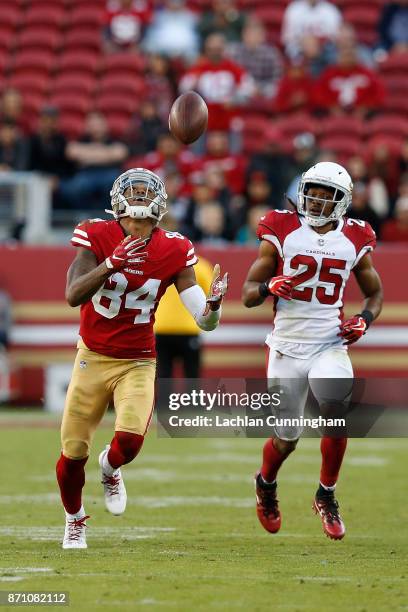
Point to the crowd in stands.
(287, 83)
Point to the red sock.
(272, 460)
(332, 450)
(123, 448)
(71, 479)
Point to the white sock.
(333, 488)
(80, 514)
(106, 466)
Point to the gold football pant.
(96, 379)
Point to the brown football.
(188, 117)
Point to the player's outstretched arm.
(370, 284)
(261, 271)
(206, 310)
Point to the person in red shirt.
(349, 86)
(169, 158)
(224, 85)
(121, 270)
(396, 230)
(124, 22)
(218, 156)
(294, 90)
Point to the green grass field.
(190, 539)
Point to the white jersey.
(321, 264)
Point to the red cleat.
(267, 507)
(328, 508)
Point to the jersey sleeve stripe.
(275, 241)
(80, 241)
(366, 249)
(190, 252)
(80, 232)
(191, 262)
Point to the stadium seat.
(7, 37)
(392, 125)
(344, 147)
(270, 15)
(83, 38)
(116, 84)
(71, 125)
(396, 63)
(396, 103)
(113, 102)
(85, 15)
(136, 161)
(10, 15)
(81, 60)
(254, 130)
(36, 83)
(40, 62)
(393, 143)
(68, 82)
(332, 126)
(72, 103)
(32, 102)
(52, 15)
(39, 38)
(293, 125)
(124, 63)
(118, 124)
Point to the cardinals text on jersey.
(321, 264)
(118, 320)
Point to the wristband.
(264, 289)
(368, 317)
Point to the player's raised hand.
(128, 252)
(353, 329)
(281, 286)
(218, 288)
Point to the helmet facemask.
(339, 201)
(137, 185)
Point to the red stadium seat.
(341, 126)
(344, 147)
(125, 64)
(72, 103)
(52, 15)
(253, 134)
(68, 82)
(36, 83)
(116, 84)
(112, 102)
(40, 62)
(134, 162)
(270, 15)
(396, 102)
(85, 15)
(396, 63)
(71, 125)
(118, 124)
(362, 16)
(393, 143)
(32, 102)
(39, 38)
(7, 37)
(392, 125)
(83, 61)
(83, 38)
(297, 124)
(10, 15)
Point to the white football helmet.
(144, 186)
(325, 174)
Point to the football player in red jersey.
(304, 261)
(121, 270)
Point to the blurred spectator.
(349, 86)
(247, 233)
(396, 230)
(383, 164)
(173, 31)
(11, 109)
(218, 156)
(347, 38)
(176, 202)
(258, 191)
(223, 17)
(223, 84)
(145, 128)
(98, 159)
(304, 156)
(315, 54)
(393, 26)
(361, 207)
(161, 84)
(169, 158)
(47, 147)
(13, 147)
(178, 338)
(124, 23)
(210, 225)
(295, 90)
(202, 196)
(274, 163)
(377, 191)
(319, 18)
(261, 60)
(403, 160)
(5, 319)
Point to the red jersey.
(349, 87)
(118, 320)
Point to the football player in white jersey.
(304, 261)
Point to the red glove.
(281, 286)
(128, 252)
(353, 329)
